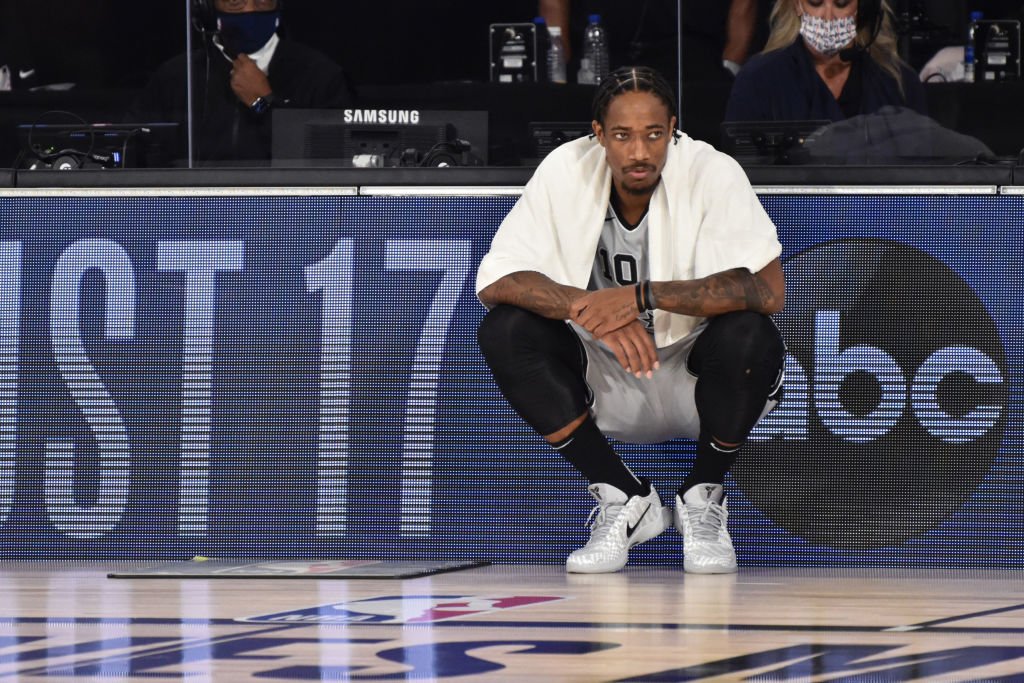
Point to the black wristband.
(648, 296)
(638, 291)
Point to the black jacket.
(782, 85)
(225, 128)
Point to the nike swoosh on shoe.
(631, 528)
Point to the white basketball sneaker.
(619, 523)
(700, 516)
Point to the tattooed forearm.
(731, 290)
(533, 292)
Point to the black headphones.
(204, 15)
(451, 153)
(67, 155)
(454, 152)
(869, 15)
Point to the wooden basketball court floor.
(68, 621)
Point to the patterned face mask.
(828, 36)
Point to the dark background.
(399, 52)
(117, 43)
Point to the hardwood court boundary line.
(929, 625)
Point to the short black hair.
(632, 79)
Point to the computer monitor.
(771, 142)
(367, 137)
(71, 146)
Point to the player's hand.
(633, 348)
(605, 310)
(247, 81)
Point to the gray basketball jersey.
(626, 407)
(621, 259)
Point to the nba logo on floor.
(397, 609)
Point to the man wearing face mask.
(244, 71)
(825, 60)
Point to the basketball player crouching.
(629, 292)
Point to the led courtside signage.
(285, 376)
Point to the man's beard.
(638, 190)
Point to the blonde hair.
(785, 27)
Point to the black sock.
(588, 451)
(712, 462)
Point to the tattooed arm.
(632, 345)
(731, 290)
(531, 291)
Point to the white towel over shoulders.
(704, 218)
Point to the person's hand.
(605, 310)
(247, 81)
(633, 348)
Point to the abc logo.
(895, 398)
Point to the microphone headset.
(869, 15)
(204, 16)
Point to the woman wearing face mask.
(825, 60)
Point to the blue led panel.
(298, 377)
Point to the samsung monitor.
(386, 137)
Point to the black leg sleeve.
(738, 360)
(538, 364)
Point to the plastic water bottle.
(969, 54)
(595, 48)
(556, 56)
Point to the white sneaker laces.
(606, 516)
(707, 520)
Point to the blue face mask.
(246, 32)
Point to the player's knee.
(503, 328)
(749, 338)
